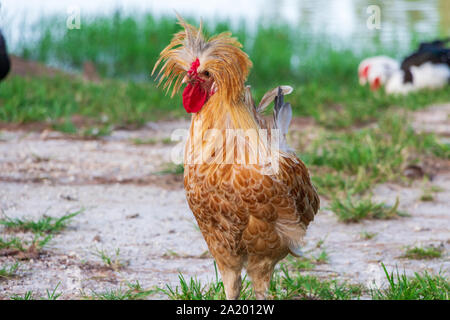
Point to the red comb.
(365, 71)
(194, 66)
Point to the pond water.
(343, 19)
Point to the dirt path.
(145, 215)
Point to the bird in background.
(426, 68)
(5, 63)
(250, 217)
(376, 70)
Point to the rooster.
(249, 216)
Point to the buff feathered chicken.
(250, 216)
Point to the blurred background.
(294, 42)
(124, 38)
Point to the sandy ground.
(145, 215)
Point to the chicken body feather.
(248, 216)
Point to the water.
(343, 19)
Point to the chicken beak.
(189, 79)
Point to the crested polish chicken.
(253, 199)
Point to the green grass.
(288, 284)
(134, 291)
(51, 295)
(171, 168)
(428, 193)
(15, 246)
(116, 103)
(420, 287)
(151, 141)
(349, 210)
(365, 235)
(126, 46)
(139, 141)
(26, 296)
(427, 197)
(419, 253)
(112, 261)
(193, 289)
(307, 262)
(8, 271)
(23, 249)
(322, 257)
(55, 101)
(45, 224)
(353, 161)
(284, 285)
(12, 243)
(302, 263)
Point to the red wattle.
(194, 97)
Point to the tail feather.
(282, 114)
(269, 96)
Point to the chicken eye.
(206, 73)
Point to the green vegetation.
(125, 47)
(428, 193)
(51, 295)
(12, 243)
(134, 291)
(307, 262)
(43, 225)
(113, 262)
(8, 271)
(195, 290)
(420, 287)
(72, 105)
(349, 211)
(292, 285)
(284, 285)
(300, 287)
(367, 235)
(43, 230)
(171, 168)
(139, 141)
(24, 249)
(419, 253)
(354, 161)
(427, 197)
(151, 141)
(59, 101)
(27, 296)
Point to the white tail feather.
(269, 96)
